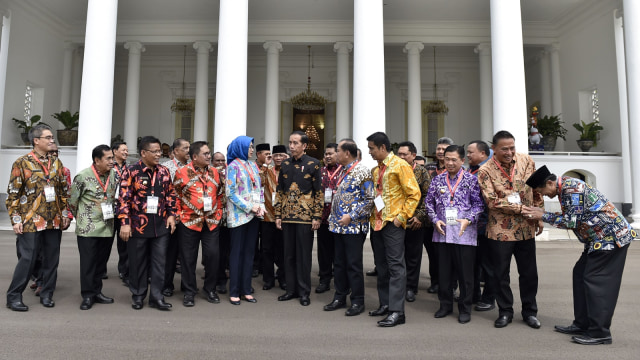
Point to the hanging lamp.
(435, 106)
(308, 100)
(182, 104)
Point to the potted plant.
(26, 126)
(588, 134)
(69, 135)
(550, 127)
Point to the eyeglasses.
(50, 137)
(157, 152)
(207, 154)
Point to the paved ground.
(274, 330)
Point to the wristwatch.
(17, 219)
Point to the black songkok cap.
(537, 179)
(279, 149)
(262, 147)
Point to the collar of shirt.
(386, 160)
(145, 168)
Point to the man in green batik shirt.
(92, 197)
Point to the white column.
(231, 83)
(556, 89)
(96, 101)
(201, 115)
(632, 56)
(272, 99)
(545, 85)
(4, 53)
(65, 89)
(486, 91)
(509, 94)
(132, 104)
(76, 83)
(622, 98)
(368, 73)
(414, 101)
(343, 118)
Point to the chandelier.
(435, 106)
(182, 104)
(308, 100)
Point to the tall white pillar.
(486, 91)
(414, 101)
(632, 56)
(545, 85)
(556, 89)
(4, 53)
(76, 82)
(132, 105)
(509, 93)
(96, 102)
(622, 98)
(65, 88)
(201, 115)
(272, 100)
(368, 73)
(343, 118)
(231, 83)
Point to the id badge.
(208, 203)
(49, 193)
(117, 192)
(152, 204)
(255, 198)
(379, 203)
(273, 198)
(514, 198)
(328, 194)
(451, 215)
(107, 211)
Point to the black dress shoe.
(304, 300)
(533, 322)
(481, 306)
(105, 276)
(411, 296)
(502, 321)
(571, 330)
(221, 289)
(322, 287)
(86, 304)
(588, 340)
(137, 304)
(355, 309)
(47, 302)
(17, 306)
(268, 285)
(159, 304)
(433, 289)
(394, 318)
(212, 297)
(334, 305)
(464, 318)
(101, 299)
(234, 302)
(167, 292)
(373, 272)
(381, 311)
(287, 297)
(442, 312)
(125, 282)
(188, 301)
(251, 300)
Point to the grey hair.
(36, 132)
(445, 140)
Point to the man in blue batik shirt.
(598, 273)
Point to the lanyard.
(153, 181)
(513, 170)
(453, 191)
(381, 171)
(346, 173)
(45, 169)
(117, 167)
(253, 180)
(414, 166)
(332, 175)
(103, 186)
(439, 171)
(204, 183)
(473, 172)
(275, 174)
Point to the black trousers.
(347, 267)
(45, 243)
(225, 249)
(413, 241)
(456, 263)
(173, 253)
(388, 253)
(326, 253)
(483, 268)
(298, 245)
(35, 274)
(189, 246)
(94, 254)
(272, 252)
(524, 252)
(596, 285)
(147, 254)
(123, 254)
(243, 242)
(431, 254)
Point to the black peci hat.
(263, 147)
(537, 179)
(279, 149)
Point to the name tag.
(255, 198)
(107, 211)
(152, 204)
(273, 198)
(117, 192)
(451, 215)
(514, 199)
(49, 193)
(328, 195)
(379, 203)
(208, 203)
